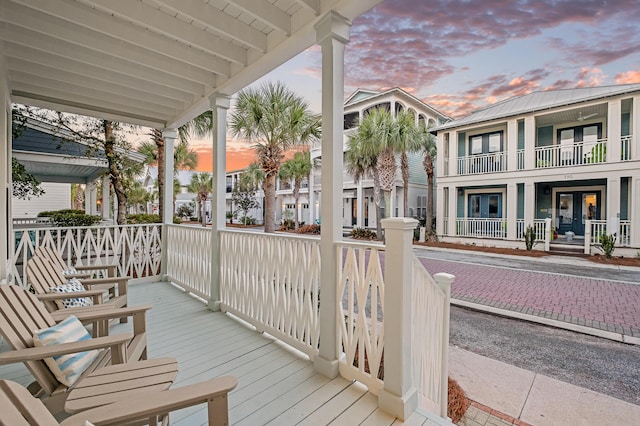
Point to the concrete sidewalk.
(521, 397)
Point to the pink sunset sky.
(458, 56)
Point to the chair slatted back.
(53, 256)
(20, 408)
(42, 275)
(22, 314)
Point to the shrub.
(72, 219)
(309, 229)
(287, 225)
(529, 237)
(139, 218)
(457, 402)
(363, 234)
(63, 211)
(608, 244)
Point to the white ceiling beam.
(91, 103)
(75, 14)
(33, 72)
(53, 159)
(171, 27)
(220, 22)
(266, 12)
(63, 39)
(40, 101)
(25, 82)
(313, 5)
(105, 71)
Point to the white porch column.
(529, 143)
(219, 106)
(635, 130)
(90, 198)
(634, 215)
(398, 397)
(529, 204)
(512, 210)
(613, 203)
(441, 209)
(312, 199)
(453, 153)
(6, 223)
(511, 145)
(614, 129)
(166, 215)
(440, 159)
(453, 210)
(106, 199)
(360, 201)
(332, 33)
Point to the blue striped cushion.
(66, 368)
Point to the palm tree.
(199, 127)
(297, 169)
(428, 147)
(274, 119)
(201, 184)
(405, 139)
(362, 158)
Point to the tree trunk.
(376, 201)
(204, 210)
(296, 196)
(114, 173)
(428, 168)
(160, 145)
(269, 188)
(404, 167)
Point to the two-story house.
(566, 162)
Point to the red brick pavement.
(601, 304)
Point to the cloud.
(589, 77)
(628, 77)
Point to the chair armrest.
(101, 314)
(73, 295)
(111, 268)
(78, 276)
(35, 354)
(108, 280)
(152, 404)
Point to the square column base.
(400, 407)
(328, 368)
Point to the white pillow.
(69, 271)
(72, 286)
(66, 368)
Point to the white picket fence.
(273, 282)
(361, 313)
(136, 249)
(189, 258)
(481, 227)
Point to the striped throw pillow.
(66, 368)
(71, 286)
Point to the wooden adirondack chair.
(84, 271)
(21, 314)
(42, 275)
(20, 408)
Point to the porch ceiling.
(150, 62)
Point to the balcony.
(482, 163)
(270, 326)
(576, 154)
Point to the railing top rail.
(269, 235)
(357, 244)
(54, 228)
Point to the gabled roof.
(539, 101)
(361, 95)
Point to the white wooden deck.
(276, 385)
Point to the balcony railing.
(482, 163)
(627, 147)
(597, 228)
(520, 159)
(481, 228)
(577, 154)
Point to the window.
(494, 142)
(476, 145)
(485, 143)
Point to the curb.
(618, 337)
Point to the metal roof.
(151, 62)
(539, 101)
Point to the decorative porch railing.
(361, 313)
(430, 335)
(189, 258)
(520, 159)
(539, 226)
(136, 249)
(482, 163)
(273, 282)
(481, 228)
(597, 228)
(576, 154)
